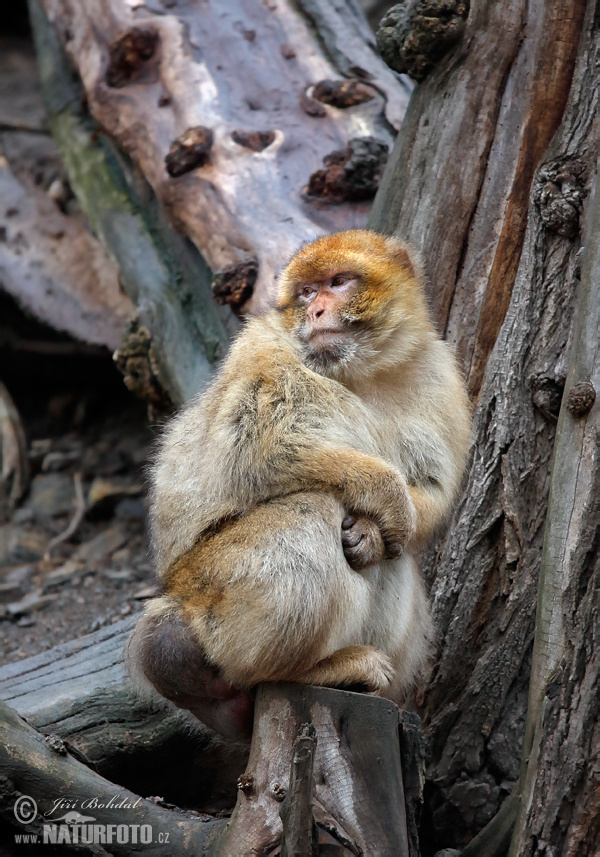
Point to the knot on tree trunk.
(581, 399)
(189, 151)
(342, 93)
(129, 57)
(234, 284)
(350, 174)
(559, 193)
(136, 360)
(415, 34)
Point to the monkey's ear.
(402, 256)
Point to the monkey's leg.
(360, 667)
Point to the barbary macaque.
(290, 498)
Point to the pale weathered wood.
(164, 275)
(358, 797)
(154, 77)
(52, 265)
(458, 181)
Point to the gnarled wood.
(560, 801)
(153, 76)
(43, 769)
(458, 181)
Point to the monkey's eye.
(306, 292)
(340, 280)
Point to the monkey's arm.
(432, 506)
(367, 486)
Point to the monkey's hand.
(362, 542)
(393, 510)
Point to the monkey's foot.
(362, 542)
(362, 668)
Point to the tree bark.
(209, 124)
(560, 799)
(358, 792)
(501, 86)
(460, 173)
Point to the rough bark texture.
(358, 794)
(457, 185)
(214, 110)
(560, 805)
(480, 123)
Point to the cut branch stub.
(190, 150)
(137, 363)
(129, 56)
(234, 284)
(299, 838)
(415, 34)
(350, 174)
(356, 796)
(341, 93)
(581, 399)
(254, 140)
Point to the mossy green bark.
(162, 272)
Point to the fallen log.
(47, 792)
(54, 268)
(210, 121)
(324, 777)
(81, 692)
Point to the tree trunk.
(358, 797)
(246, 129)
(560, 804)
(502, 275)
(488, 180)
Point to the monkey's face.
(345, 297)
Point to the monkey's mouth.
(326, 331)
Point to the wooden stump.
(357, 795)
